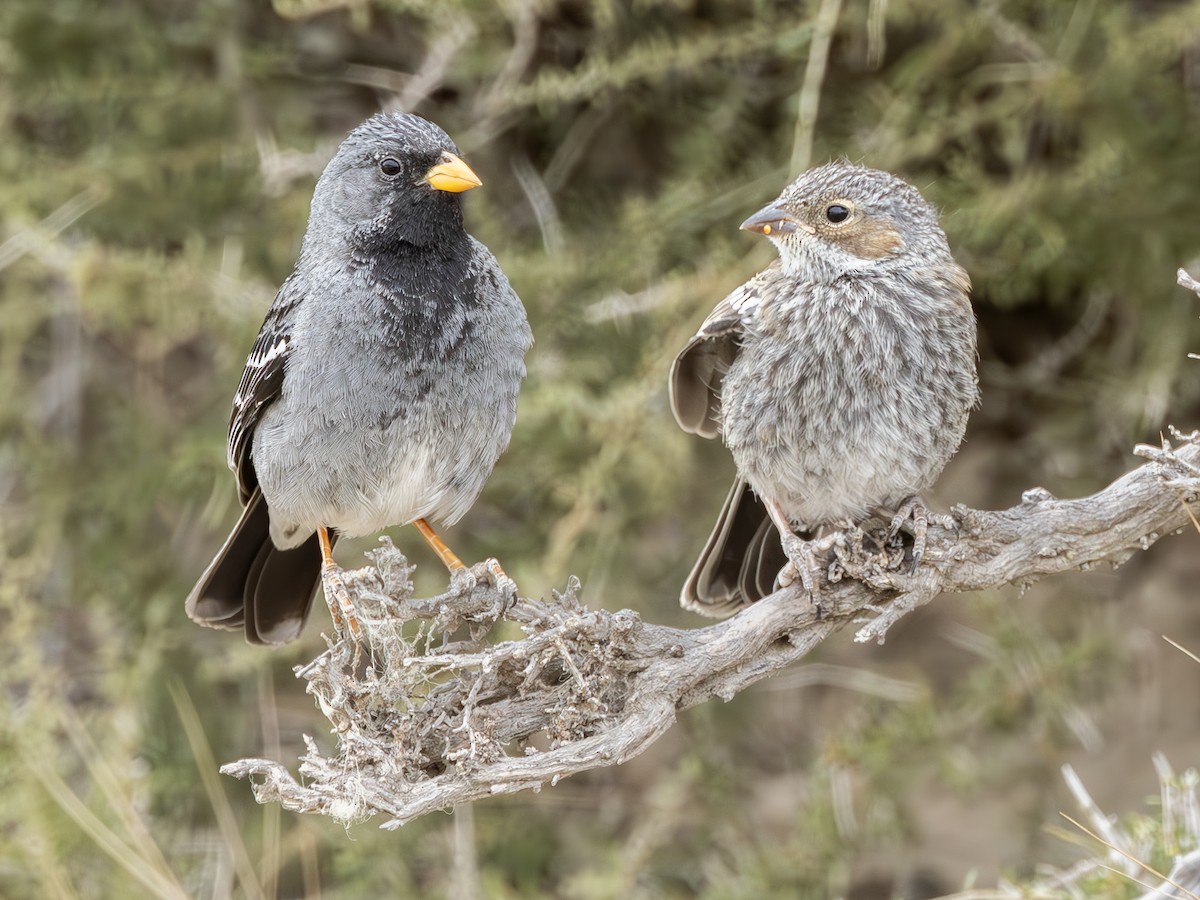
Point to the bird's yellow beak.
(452, 175)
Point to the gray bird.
(382, 387)
(840, 377)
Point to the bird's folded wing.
(700, 367)
(262, 382)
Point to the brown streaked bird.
(382, 387)
(840, 377)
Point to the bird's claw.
(802, 560)
(462, 581)
(798, 567)
(906, 511)
(505, 586)
(914, 508)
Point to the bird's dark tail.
(252, 584)
(740, 561)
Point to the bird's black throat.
(424, 294)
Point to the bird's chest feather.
(387, 410)
(829, 396)
(825, 363)
(406, 309)
(379, 347)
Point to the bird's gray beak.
(772, 220)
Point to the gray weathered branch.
(478, 692)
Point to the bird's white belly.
(844, 485)
(411, 492)
(357, 482)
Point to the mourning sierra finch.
(840, 377)
(382, 387)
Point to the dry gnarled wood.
(478, 692)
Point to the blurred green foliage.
(156, 161)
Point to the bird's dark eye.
(389, 166)
(837, 213)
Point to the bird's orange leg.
(341, 607)
(444, 553)
(460, 575)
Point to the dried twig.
(1187, 281)
(476, 693)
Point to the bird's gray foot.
(802, 560)
(462, 581)
(914, 508)
(801, 554)
(493, 573)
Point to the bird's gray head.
(841, 219)
(396, 178)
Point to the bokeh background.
(156, 162)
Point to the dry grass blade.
(268, 715)
(1181, 648)
(1149, 868)
(125, 855)
(103, 777)
(226, 820)
(1126, 876)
